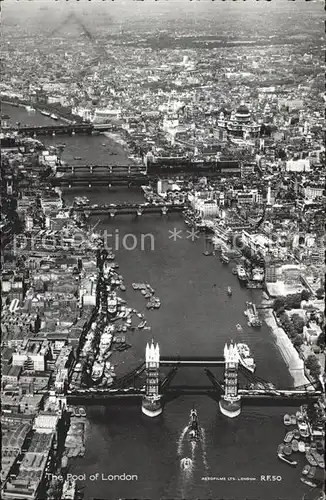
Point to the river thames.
(196, 318)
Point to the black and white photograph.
(163, 249)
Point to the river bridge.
(149, 386)
(58, 129)
(108, 180)
(105, 169)
(128, 208)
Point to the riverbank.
(288, 351)
(117, 139)
(44, 108)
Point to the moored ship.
(242, 275)
(224, 258)
(68, 490)
(230, 402)
(45, 113)
(97, 371)
(252, 315)
(112, 303)
(258, 274)
(245, 357)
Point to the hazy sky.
(38, 14)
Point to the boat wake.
(203, 449)
(181, 440)
(193, 459)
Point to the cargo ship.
(245, 357)
(252, 315)
(230, 402)
(54, 117)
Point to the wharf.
(287, 350)
(75, 440)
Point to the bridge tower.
(230, 402)
(151, 403)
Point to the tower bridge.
(148, 385)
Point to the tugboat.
(239, 327)
(193, 428)
(186, 463)
(229, 291)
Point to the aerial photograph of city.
(163, 250)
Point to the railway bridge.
(128, 208)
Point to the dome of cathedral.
(243, 110)
(242, 114)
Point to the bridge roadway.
(121, 169)
(248, 397)
(107, 180)
(129, 208)
(192, 361)
(62, 129)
